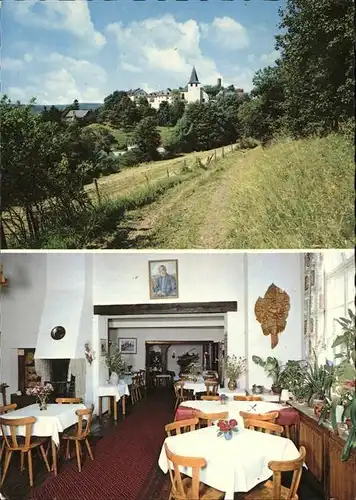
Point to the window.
(339, 273)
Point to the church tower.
(194, 87)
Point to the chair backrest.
(3, 387)
(210, 398)
(266, 417)
(84, 425)
(211, 388)
(7, 408)
(135, 381)
(179, 389)
(263, 426)
(195, 463)
(182, 426)
(68, 401)
(253, 398)
(9, 431)
(212, 417)
(294, 466)
(240, 398)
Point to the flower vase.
(232, 385)
(114, 378)
(42, 403)
(228, 435)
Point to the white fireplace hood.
(68, 304)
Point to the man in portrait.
(165, 285)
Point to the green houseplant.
(320, 379)
(116, 365)
(235, 367)
(345, 369)
(273, 369)
(293, 378)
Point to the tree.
(144, 109)
(147, 138)
(176, 109)
(39, 183)
(317, 55)
(51, 115)
(164, 114)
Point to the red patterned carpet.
(125, 461)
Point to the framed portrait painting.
(127, 345)
(163, 279)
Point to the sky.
(61, 50)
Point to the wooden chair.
(209, 418)
(266, 417)
(13, 442)
(181, 426)
(3, 387)
(211, 388)
(253, 398)
(5, 409)
(181, 394)
(72, 401)
(240, 398)
(210, 398)
(189, 487)
(79, 433)
(263, 426)
(135, 390)
(274, 489)
(143, 382)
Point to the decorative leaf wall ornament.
(272, 312)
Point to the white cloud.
(270, 58)
(227, 33)
(164, 49)
(131, 68)
(60, 79)
(27, 57)
(7, 63)
(73, 17)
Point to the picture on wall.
(127, 346)
(163, 279)
(103, 347)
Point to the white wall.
(21, 309)
(123, 278)
(285, 270)
(150, 334)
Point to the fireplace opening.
(59, 374)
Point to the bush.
(248, 143)
(132, 158)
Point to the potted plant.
(273, 369)
(351, 440)
(320, 379)
(116, 365)
(235, 367)
(41, 392)
(294, 380)
(194, 370)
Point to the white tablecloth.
(114, 390)
(236, 465)
(50, 422)
(233, 407)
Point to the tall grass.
(296, 194)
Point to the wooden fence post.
(222, 152)
(97, 190)
(168, 173)
(215, 156)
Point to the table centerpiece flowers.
(223, 399)
(41, 391)
(227, 428)
(235, 367)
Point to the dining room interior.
(178, 374)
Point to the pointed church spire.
(194, 77)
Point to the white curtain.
(313, 304)
(78, 368)
(43, 369)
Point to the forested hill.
(38, 108)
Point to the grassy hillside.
(122, 137)
(295, 194)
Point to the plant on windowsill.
(116, 365)
(293, 379)
(320, 379)
(235, 367)
(273, 369)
